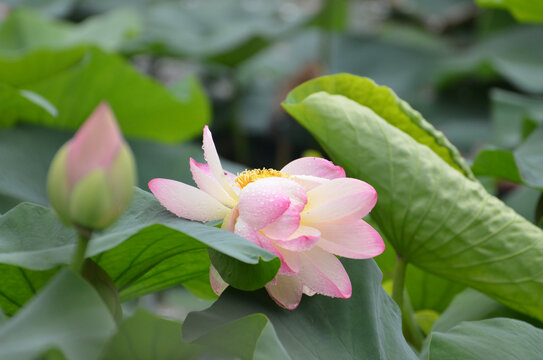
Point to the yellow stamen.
(249, 176)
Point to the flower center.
(249, 176)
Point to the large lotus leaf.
(513, 54)
(524, 10)
(146, 250)
(25, 30)
(67, 315)
(388, 106)
(435, 217)
(471, 305)
(504, 339)
(18, 285)
(146, 336)
(426, 291)
(251, 337)
(366, 326)
(75, 81)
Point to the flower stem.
(411, 331)
(83, 237)
(398, 280)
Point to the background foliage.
(453, 149)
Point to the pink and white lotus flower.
(306, 214)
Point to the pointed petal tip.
(153, 183)
(95, 145)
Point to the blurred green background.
(169, 67)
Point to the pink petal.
(291, 258)
(95, 145)
(315, 167)
(261, 203)
(212, 158)
(245, 230)
(209, 184)
(217, 283)
(308, 182)
(308, 291)
(303, 239)
(285, 225)
(323, 273)
(296, 192)
(286, 291)
(355, 240)
(186, 201)
(231, 178)
(338, 199)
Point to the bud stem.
(83, 237)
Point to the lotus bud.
(91, 178)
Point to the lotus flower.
(91, 178)
(306, 213)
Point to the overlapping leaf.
(433, 215)
(504, 339)
(67, 315)
(471, 305)
(426, 291)
(18, 285)
(147, 250)
(366, 326)
(147, 336)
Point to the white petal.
(186, 201)
(338, 199)
(287, 291)
(212, 158)
(323, 273)
(308, 182)
(209, 184)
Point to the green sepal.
(122, 178)
(91, 202)
(57, 185)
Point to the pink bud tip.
(95, 144)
